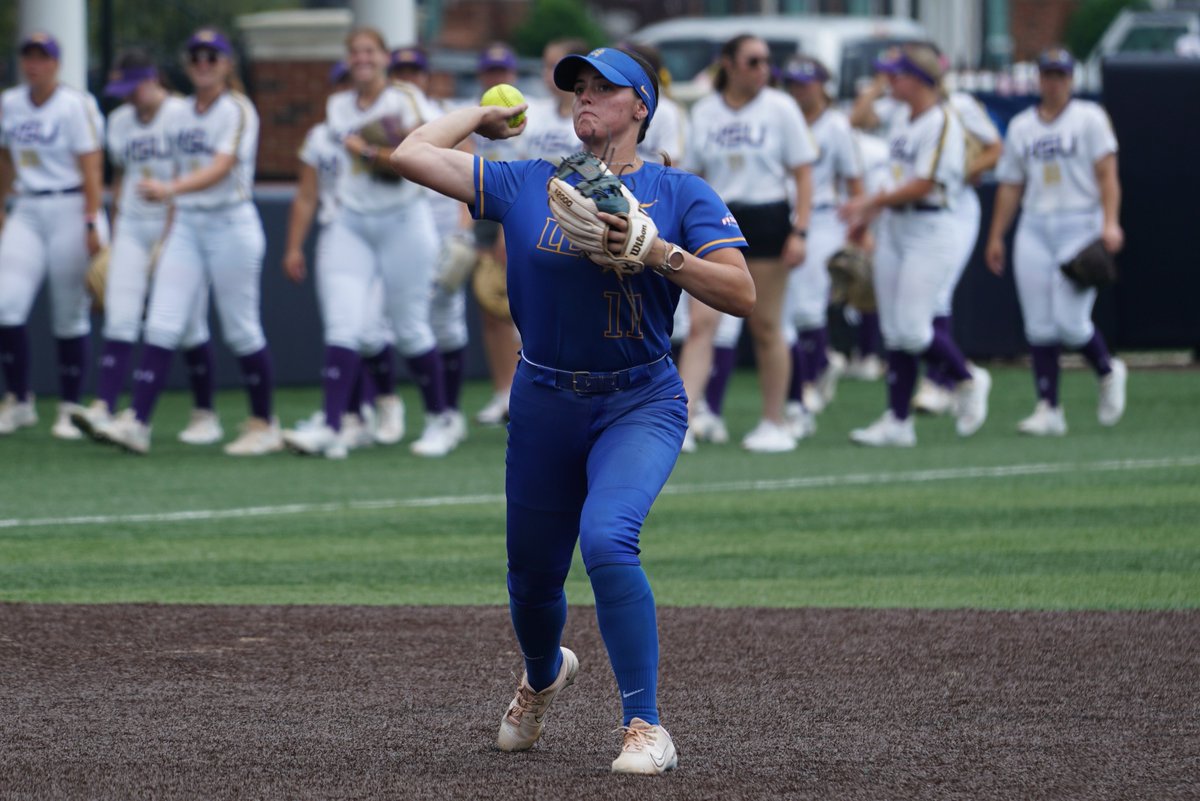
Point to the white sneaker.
(525, 717)
(317, 418)
(799, 422)
(1112, 394)
(709, 427)
(14, 414)
(127, 433)
(355, 433)
(812, 399)
(438, 438)
(203, 428)
(1046, 421)
(932, 399)
(827, 382)
(887, 432)
(865, 368)
(689, 441)
(256, 438)
(457, 422)
(971, 399)
(769, 437)
(89, 420)
(645, 750)
(315, 441)
(389, 419)
(63, 428)
(496, 411)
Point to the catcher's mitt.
(384, 133)
(456, 261)
(490, 283)
(576, 208)
(96, 278)
(1093, 266)
(851, 280)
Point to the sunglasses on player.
(202, 55)
(754, 62)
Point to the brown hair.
(369, 32)
(729, 50)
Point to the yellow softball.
(503, 94)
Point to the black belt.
(74, 190)
(586, 382)
(920, 207)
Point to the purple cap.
(209, 38)
(409, 57)
(617, 67)
(44, 41)
(805, 70)
(122, 82)
(498, 56)
(338, 72)
(1056, 59)
(922, 63)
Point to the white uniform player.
(216, 239)
(549, 134)
(751, 144)
(916, 251)
(53, 138)
(1059, 165)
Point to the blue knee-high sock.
(625, 612)
(538, 627)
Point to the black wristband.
(801, 232)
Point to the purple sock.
(718, 379)
(431, 378)
(1096, 352)
(382, 369)
(870, 338)
(936, 371)
(1045, 372)
(943, 351)
(901, 380)
(14, 358)
(355, 402)
(72, 356)
(149, 380)
(453, 365)
(816, 345)
(114, 366)
(338, 378)
(799, 371)
(257, 376)
(201, 365)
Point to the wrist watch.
(673, 262)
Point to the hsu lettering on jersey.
(1051, 147)
(30, 133)
(900, 151)
(193, 141)
(738, 134)
(147, 148)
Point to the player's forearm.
(445, 132)
(203, 178)
(300, 221)
(93, 183)
(6, 175)
(1005, 209)
(988, 158)
(1110, 190)
(911, 192)
(720, 280)
(855, 187)
(803, 176)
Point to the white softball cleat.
(971, 400)
(127, 433)
(63, 428)
(1046, 421)
(827, 382)
(525, 717)
(457, 423)
(257, 437)
(689, 441)
(438, 438)
(203, 428)
(800, 423)
(932, 399)
(865, 368)
(356, 433)
(90, 419)
(887, 432)
(709, 427)
(389, 419)
(1112, 394)
(813, 400)
(320, 440)
(769, 437)
(495, 412)
(16, 414)
(646, 750)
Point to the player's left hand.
(93, 242)
(154, 191)
(795, 251)
(1113, 238)
(858, 212)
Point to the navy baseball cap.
(43, 41)
(122, 82)
(1056, 59)
(919, 61)
(805, 70)
(409, 57)
(497, 56)
(209, 38)
(617, 67)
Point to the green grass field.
(1102, 519)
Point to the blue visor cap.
(122, 83)
(618, 68)
(898, 63)
(1056, 60)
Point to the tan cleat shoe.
(645, 750)
(525, 717)
(257, 437)
(203, 428)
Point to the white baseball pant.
(966, 216)
(1055, 310)
(807, 301)
(914, 258)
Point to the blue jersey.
(571, 314)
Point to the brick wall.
(1038, 24)
(290, 96)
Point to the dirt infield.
(132, 702)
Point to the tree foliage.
(1092, 18)
(555, 19)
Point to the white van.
(846, 45)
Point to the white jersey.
(668, 133)
(1056, 160)
(329, 159)
(358, 189)
(548, 135)
(974, 118)
(142, 151)
(747, 155)
(46, 141)
(930, 147)
(227, 127)
(876, 170)
(838, 157)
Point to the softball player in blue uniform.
(598, 411)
